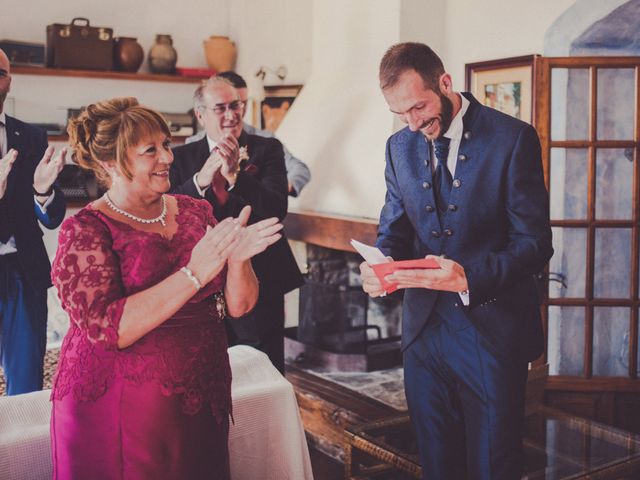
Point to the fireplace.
(339, 326)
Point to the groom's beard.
(446, 114)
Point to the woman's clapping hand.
(254, 239)
(211, 253)
(233, 241)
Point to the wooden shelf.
(110, 75)
(64, 138)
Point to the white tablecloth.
(267, 441)
(25, 449)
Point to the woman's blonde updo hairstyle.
(105, 130)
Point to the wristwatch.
(40, 194)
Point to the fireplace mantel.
(330, 231)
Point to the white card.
(371, 255)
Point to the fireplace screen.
(334, 317)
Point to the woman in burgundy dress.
(143, 383)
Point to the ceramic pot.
(127, 54)
(162, 55)
(220, 53)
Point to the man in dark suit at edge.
(27, 195)
(232, 169)
(465, 187)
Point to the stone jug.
(162, 55)
(127, 54)
(220, 53)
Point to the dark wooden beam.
(330, 231)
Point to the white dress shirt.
(202, 191)
(454, 134)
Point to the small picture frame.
(506, 84)
(275, 105)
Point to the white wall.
(272, 33)
(339, 123)
(46, 99)
(477, 31)
(573, 22)
(275, 32)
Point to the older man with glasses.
(231, 169)
(298, 174)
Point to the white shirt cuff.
(464, 296)
(201, 191)
(43, 208)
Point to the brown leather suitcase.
(79, 45)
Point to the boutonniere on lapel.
(244, 158)
(244, 153)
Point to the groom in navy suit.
(27, 195)
(465, 187)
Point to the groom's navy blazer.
(31, 143)
(496, 226)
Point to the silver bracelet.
(191, 277)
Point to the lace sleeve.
(207, 211)
(86, 273)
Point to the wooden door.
(587, 116)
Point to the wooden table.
(556, 446)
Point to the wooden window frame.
(542, 122)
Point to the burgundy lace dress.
(159, 408)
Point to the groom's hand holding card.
(384, 269)
(383, 266)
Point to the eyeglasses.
(221, 108)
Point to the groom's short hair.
(411, 56)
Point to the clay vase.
(220, 53)
(162, 55)
(127, 54)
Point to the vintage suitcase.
(79, 45)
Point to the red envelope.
(383, 269)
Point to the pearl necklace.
(160, 218)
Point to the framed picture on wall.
(505, 84)
(275, 105)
